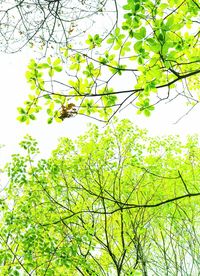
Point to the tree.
(114, 203)
(47, 23)
(152, 55)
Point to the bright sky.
(14, 90)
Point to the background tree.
(48, 23)
(114, 203)
(152, 55)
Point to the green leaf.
(147, 113)
(51, 72)
(137, 7)
(32, 64)
(161, 37)
(50, 111)
(154, 45)
(49, 120)
(32, 117)
(58, 120)
(138, 46)
(140, 60)
(170, 22)
(43, 65)
(47, 96)
(58, 68)
(140, 34)
(21, 110)
(56, 62)
(49, 60)
(129, 6)
(22, 118)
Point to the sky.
(14, 91)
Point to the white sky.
(14, 91)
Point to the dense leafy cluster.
(113, 203)
(150, 56)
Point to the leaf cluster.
(152, 51)
(115, 202)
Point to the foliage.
(151, 55)
(113, 203)
(47, 23)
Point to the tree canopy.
(48, 23)
(152, 55)
(115, 202)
